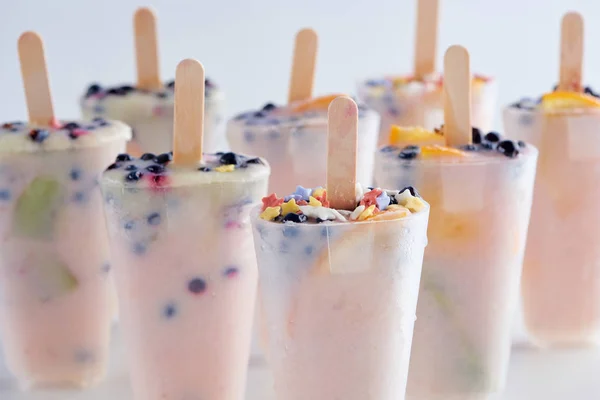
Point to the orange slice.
(434, 151)
(557, 101)
(404, 136)
(315, 104)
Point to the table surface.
(534, 375)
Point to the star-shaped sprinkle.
(414, 204)
(314, 202)
(370, 198)
(271, 201)
(367, 213)
(304, 192)
(323, 199)
(383, 200)
(270, 213)
(289, 207)
(318, 192)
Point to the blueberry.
(164, 158)
(197, 285)
(131, 167)
(100, 121)
(588, 90)
(231, 272)
(93, 89)
(155, 169)
(170, 84)
(293, 217)
(148, 156)
(105, 268)
(487, 146)
(134, 176)
(409, 152)
(205, 169)
(4, 194)
(469, 147)
(521, 144)
(476, 135)
(492, 137)
(127, 88)
(208, 83)
(75, 174)
(38, 135)
(117, 92)
(308, 250)
(170, 310)
(78, 197)
(129, 225)
(393, 200)
(269, 107)
(123, 157)
(112, 166)
(388, 149)
(71, 125)
(324, 232)
(161, 95)
(412, 191)
(259, 114)
(255, 160)
(508, 148)
(229, 158)
(154, 219)
(139, 248)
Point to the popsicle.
(561, 273)
(480, 188)
(55, 293)
(147, 105)
(339, 277)
(417, 99)
(277, 132)
(184, 260)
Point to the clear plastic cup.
(150, 114)
(561, 272)
(471, 271)
(56, 298)
(186, 274)
(295, 144)
(338, 305)
(418, 104)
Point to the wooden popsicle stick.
(426, 38)
(342, 146)
(571, 52)
(457, 97)
(146, 49)
(303, 66)
(188, 127)
(35, 79)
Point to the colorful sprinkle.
(314, 202)
(270, 213)
(289, 207)
(271, 201)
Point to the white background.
(246, 45)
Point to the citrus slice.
(404, 136)
(557, 101)
(315, 104)
(434, 151)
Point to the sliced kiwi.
(50, 278)
(36, 208)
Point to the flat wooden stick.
(426, 38)
(303, 66)
(35, 79)
(146, 49)
(457, 97)
(188, 124)
(342, 146)
(571, 52)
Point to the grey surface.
(534, 375)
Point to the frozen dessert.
(147, 105)
(561, 290)
(339, 290)
(407, 101)
(277, 133)
(185, 270)
(55, 295)
(183, 255)
(480, 195)
(417, 98)
(150, 113)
